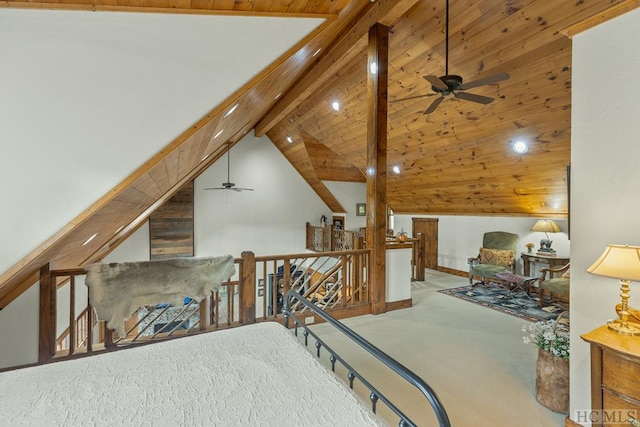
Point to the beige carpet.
(473, 357)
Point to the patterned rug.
(495, 296)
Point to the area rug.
(495, 296)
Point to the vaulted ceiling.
(456, 160)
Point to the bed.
(256, 374)
(230, 377)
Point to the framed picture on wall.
(361, 209)
(260, 287)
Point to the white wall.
(19, 329)
(460, 237)
(97, 94)
(348, 194)
(605, 175)
(267, 221)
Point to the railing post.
(332, 243)
(202, 313)
(47, 315)
(248, 288)
(72, 314)
(419, 256)
(309, 237)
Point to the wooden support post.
(376, 172)
(248, 288)
(47, 320)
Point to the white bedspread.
(256, 375)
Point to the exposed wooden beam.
(346, 47)
(599, 18)
(376, 173)
(95, 7)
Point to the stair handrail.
(404, 372)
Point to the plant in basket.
(549, 335)
(552, 368)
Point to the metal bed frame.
(391, 363)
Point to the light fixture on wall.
(622, 263)
(546, 226)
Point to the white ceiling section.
(86, 98)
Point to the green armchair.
(497, 255)
(556, 283)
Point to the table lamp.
(546, 226)
(622, 263)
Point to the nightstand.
(615, 370)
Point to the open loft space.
(264, 129)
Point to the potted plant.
(529, 247)
(552, 368)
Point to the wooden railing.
(326, 239)
(334, 281)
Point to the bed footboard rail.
(375, 395)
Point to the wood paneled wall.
(171, 226)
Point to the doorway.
(428, 227)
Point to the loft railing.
(333, 281)
(294, 299)
(330, 238)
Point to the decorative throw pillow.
(496, 257)
(565, 275)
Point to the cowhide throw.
(117, 289)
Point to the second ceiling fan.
(454, 84)
(229, 185)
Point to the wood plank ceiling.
(454, 161)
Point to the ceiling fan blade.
(436, 82)
(474, 98)
(412, 97)
(243, 189)
(433, 105)
(216, 188)
(486, 81)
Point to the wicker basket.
(552, 380)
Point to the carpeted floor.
(496, 296)
(474, 359)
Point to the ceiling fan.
(229, 185)
(454, 84)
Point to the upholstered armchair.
(497, 255)
(555, 283)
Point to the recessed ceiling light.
(520, 147)
(204, 158)
(89, 239)
(278, 95)
(396, 169)
(231, 110)
(118, 230)
(317, 52)
(335, 105)
(218, 134)
(289, 139)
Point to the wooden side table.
(615, 369)
(552, 261)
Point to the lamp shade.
(546, 226)
(618, 262)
